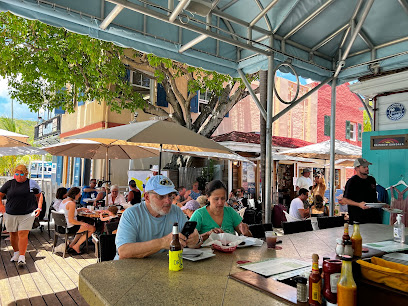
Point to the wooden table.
(149, 282)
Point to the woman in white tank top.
(68, 208)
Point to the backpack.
(278, 215)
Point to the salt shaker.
(348, 248)
(301, 289)
(339, 247)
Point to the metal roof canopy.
(325, 40)
(227, 35)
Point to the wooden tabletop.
(148, 281)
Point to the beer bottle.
(175, 252)
(346, 235)
(346, 287)
(357, 240)
(315, 283)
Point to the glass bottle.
(331, 269)
(175, 252)
(346, 235)
(357, 240)
(315, 283)
(346, 287)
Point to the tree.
(40, 60)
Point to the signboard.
(395, 111)
(141, 177)
(389, 142)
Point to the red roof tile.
(255, 138)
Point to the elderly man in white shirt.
(114, 198)
(304, 181)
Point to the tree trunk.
(263, 89)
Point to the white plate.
(250, 242)
(205, 254)
(375, 205)
(393, 210)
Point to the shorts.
(71, 230)
(15, 223)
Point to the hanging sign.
(387, 142)
(395, 111)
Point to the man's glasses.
(171, 196)
(19, 174)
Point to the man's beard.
(157, 210)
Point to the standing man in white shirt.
(297, 208)
(304, 181)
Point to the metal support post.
(332, 146)
(253, 95)
(268, 152)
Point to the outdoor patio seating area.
(46, 279)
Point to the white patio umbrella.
(11, 139)
(156, 134)
(26, 150)
(321, 150)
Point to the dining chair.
(107, 247)
(330, 222)
(111, 226)
(61, 230)
(290, 218)
(257, 230)
(297, 226)
(49, 217)
(241, 212)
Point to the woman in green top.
(216, 217)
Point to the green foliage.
(40, 60)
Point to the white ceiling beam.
(112, 15)
(262, 13)
(182, 4)
(192, 43)
(308, 19)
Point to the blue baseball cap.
(160, 184)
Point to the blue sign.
(395, 111)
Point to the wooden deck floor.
(47, 279)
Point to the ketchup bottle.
(331, 270)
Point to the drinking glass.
(270, 239)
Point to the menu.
(275, 266)
(387, 246)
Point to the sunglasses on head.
(19, 174)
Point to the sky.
(21, 111)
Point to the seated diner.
(68, 208)
(216, 217)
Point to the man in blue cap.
(146, 228)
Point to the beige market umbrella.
(11, 139)
(156, 134)
(321, 150)
(84, 148)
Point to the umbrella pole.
(106, 178)
(160, 158)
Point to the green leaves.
(40, 61)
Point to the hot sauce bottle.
(315, 283)
(346, 235)
(356, 240)
(346, 287)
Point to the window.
(351, 131)
(138, 79)
(204, 98)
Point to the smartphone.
(188, 228)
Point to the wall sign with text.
(395, 111)
(388, 142)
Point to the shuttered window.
(161, 96)
(360, 132)
(327, 125)
(348, 129)
(194, 104)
